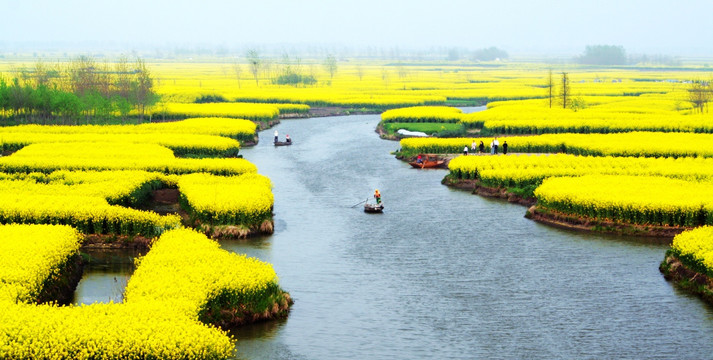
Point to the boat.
(283, 143)
(428, 161)
(373, 208)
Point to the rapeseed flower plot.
(30, 255)
(656, 112)
(644, 144)
(423, 114)
(529, 170)
(630, 199)
(48, 157)
(230, 200)
(251, 111)
(180, 144)
(695, 249)
(175, 273)
(182, 278)
(239, 129)
(85, 205)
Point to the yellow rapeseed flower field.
(176, 283)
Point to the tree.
(550, 86)
(330, 64)
(578, 103)
(359, 71)
(254, 63)
(4, 96)
(142, 90)
(699, 94)
(123, 77)
(82, 77)
(238, 70)
(385, 76)
(489, 54)
(603, 55)
(564, 91)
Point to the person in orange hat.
(377, 196)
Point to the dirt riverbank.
(562, 220)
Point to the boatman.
(377, 196)
(276, 136)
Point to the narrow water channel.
(441, 274)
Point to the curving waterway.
(443, 274)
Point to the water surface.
(443, 273)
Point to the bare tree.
(699, 94)
(42, 74)
(144, 95)
(123, 77)
(82, 75)
(385, 76)
(330, 64)
(565, 93)
(268, 69)
(359, 71)
(255, 63)
(238, 70)
(550, 86)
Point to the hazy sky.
(681, 27)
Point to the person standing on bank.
(472, 146)
(505, 147)
(495, 146)
(465, 150)
(492, 147)
(276, 139)
(481, 147)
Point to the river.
(442, 273)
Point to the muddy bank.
(583, 223)
(694, 282)
(230, 316)
(60, 288)
(112, 241)
(338, 111)
(383, 134)
(475, 187)
(562, 220)
(234, 231)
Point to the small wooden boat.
(427, 161)
(373, 208)
(283, 143)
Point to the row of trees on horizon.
(81, 88)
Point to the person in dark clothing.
(481, 147)
(505, 147)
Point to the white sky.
(681, 27)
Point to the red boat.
(427, 161)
